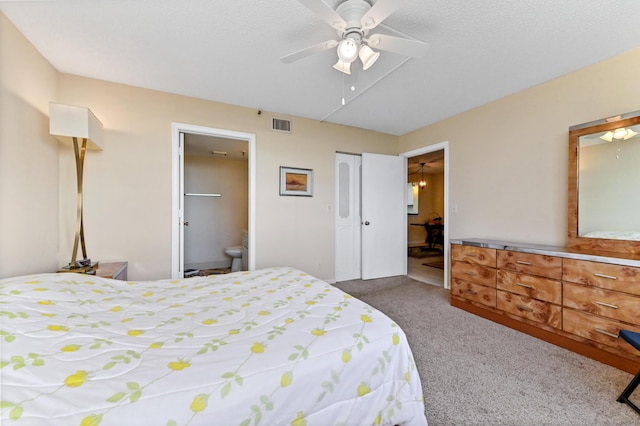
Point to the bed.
(268, 347)
(614, 235)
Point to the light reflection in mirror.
(609, 184)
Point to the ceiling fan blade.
(325, 13)
(308, 51)
(378, 13)
(403, 46)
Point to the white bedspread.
(270, 347)
(614, 235)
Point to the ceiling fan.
(353, 20)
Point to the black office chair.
(633, 339)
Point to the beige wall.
(128, 185)
(28, 158)
(508, 159)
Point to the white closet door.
(347, 211)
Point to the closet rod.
(204, 195)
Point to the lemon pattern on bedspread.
(268, 347)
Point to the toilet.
(236, 254)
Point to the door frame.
(177, 190)
(447, 212)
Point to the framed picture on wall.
(294, 181)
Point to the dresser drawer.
(474, 292)
(612, 277)
(611, 304)
(599, 329)
(474, 273)
(476, 255)
(534, 264)
(530, 285)
(535, 310)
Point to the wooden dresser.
(473, 274)
(574, 300)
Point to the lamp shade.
(367, 56)
(68, 121)
(345, 67)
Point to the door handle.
(366, 222)
(186, 223)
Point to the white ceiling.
(228, 51)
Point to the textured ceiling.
(228, 51)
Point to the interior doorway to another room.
(427, 200)
(216, 197)
(213, 201)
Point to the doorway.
(197, 141)
(215, 204)
(428, 220)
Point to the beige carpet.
(477, 372)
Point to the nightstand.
(114, 270)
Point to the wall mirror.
(604, 185)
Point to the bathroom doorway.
(213, 200)
(427, 218)
(216, 204)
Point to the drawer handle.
(470, 254)
(471, 292)
(606, 333)
(609, 277)
(525, 285)
(524, 308)
(522, 262)
(608, 305)
(473, 274)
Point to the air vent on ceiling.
(281, 125)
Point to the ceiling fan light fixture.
(368, 56)
(348, 50)
(344, 67)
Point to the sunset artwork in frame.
(295, 181)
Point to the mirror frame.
(583, 243)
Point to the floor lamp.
(79, 127)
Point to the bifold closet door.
(347, 213)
